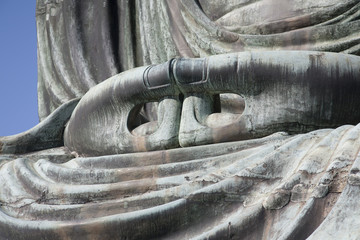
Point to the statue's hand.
(293, 91)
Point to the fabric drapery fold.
(82, 43)
(286, 186)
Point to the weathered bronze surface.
(197, 120)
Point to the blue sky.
(18, 66)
